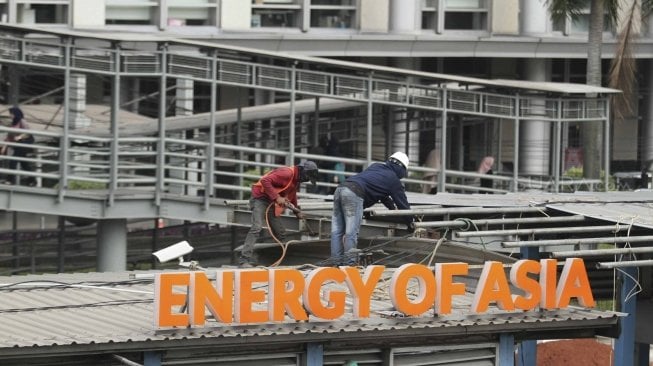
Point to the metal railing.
(388, 90)
(185, 168)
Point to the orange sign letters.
(271, 295)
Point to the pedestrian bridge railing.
(193, 167)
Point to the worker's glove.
(300, 215)
(281, 201)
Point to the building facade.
(494, 39)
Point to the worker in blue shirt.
(380, 182)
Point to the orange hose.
(284, 247)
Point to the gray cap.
(308, 165)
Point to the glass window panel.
(137, 12)
(429, 20)
(429, 3)
(582, 24)
(41, 13)
(464, 4)
(281, 18)
(465, 21)
(332, 18)
(280, 2)
(334, 2)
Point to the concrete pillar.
(374, 16)
(87, 13)
(77, 103)
(535, 136)
(184, 97)
(407, 121)
(534, 18)
(112, 245)
(405, 16)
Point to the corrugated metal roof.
(108, 309)
(622, 207)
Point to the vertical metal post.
(14, 239)
(606, 176)
(528, 348)
(443, 143)
(152, 358)
(63, 150)
(506, 356)
(160, 154)
(239, 141)
(557, 146)
(499, 147)
(155, 241)
(61, 245)
(210, 159)
(316, 123)
(115, 109)
(624, 346)
(291, 136)
(314, 354)
(370, 111)
(515, 159)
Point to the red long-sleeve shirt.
(283, 181)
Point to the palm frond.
(623, 67)
(561, 9)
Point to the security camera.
(174, 251)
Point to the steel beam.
(608, 239)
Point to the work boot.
(245, 262)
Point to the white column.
(405, 122)
(405, 16)
(534, 17)
(535, 136)
(112, 245)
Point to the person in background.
(433, 162)
(24, 138)
(277, 190)
(320, 149)
(333, 150)
(486, 168)
(380, 182)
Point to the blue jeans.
(345, 224)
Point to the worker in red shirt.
(279, 187)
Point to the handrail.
(136, 165)
(259, 75)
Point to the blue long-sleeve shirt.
(380, 181)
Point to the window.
(333, 13)
(465, 15)
(132, 12)
(581, 24)
(429, 14)
(191, 12)
(42, 12)
(4, 13)
(458, 15)
(276, 13)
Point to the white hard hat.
(400, 157)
